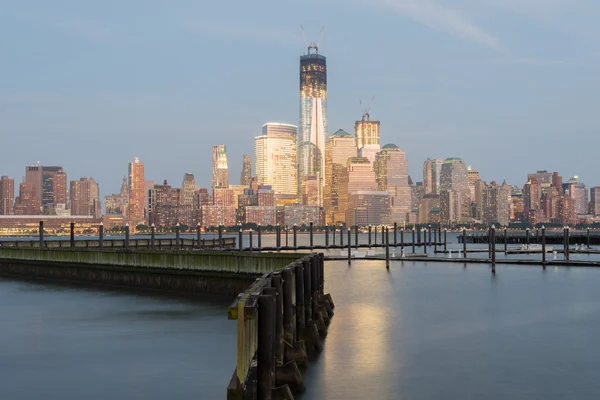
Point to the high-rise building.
(369, 207)
(367, 137)
(544, 178)
(391, 170)
(340, 147)
(50, 185)
(495, 204)
(429, 206)
(220, 170)
(358, 176)
(310, 191)
(85, 197)
(450, 207)
(532, 195)
(136, 185)
(275, 157)
(163, 205)
(428, 176)
(188, 187)
(557, 183)
(579, 194)
(246, 175)
(595, 201)
(312, 131)
(27, 203)
(454, 176)
(7, 195)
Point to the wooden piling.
(383, 230)
(41, 232)
(153, 236)
(341, 236)
(401, 240)
(527, 238)
(424, 240)
(493, 248)
(356, 237)
(445, 240)
(307, 290)
(369, 235)
(464, 238)
(375, 234)
(277, 283)
(240, 239)
(387, 248)
(278, 237)
(259, 234)
(295, 230)
(265, 355)
(413, 240)
(543, 247)
(566, 243)
(300, 314)
(288, 309)
(101, 235)
(250, 239)
(326, 236)
(505, 240)
(349, 249)
(429, 228)
(198, 235)
(73, 234)
(127, 230)
(177, 241)
(588, 238)
(311, 235)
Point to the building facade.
(220, 169)
(391, 171)
(7, 195)
(275, 155)
(340, 147)
(136, 185)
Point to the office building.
(220, 170)
(275, 155)
(135, 188)
(391, 171)
(368, 207)
(340, 147)
(27, 203)
(85, 197)
(246, 175)
(7, 195)
(312, 131)
(367, 137)
(188, 188)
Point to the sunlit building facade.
(367, 137)
(454, 177)
(275, 155)
(369, 207)
(188, 187)
(7, 195)
(136, 187)
(85, 197)
(246, 174)
(432, 169)
(340, 147)
(220, 169)
(313, 128)
(391, 171)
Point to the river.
(419, 331)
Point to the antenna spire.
(312, 45)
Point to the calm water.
(419, 331)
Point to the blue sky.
(511, 86)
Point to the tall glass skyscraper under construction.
(312, 129)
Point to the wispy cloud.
(539, 8)
(253, 33)
(436, 16)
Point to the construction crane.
(366, 112)
(312, 45)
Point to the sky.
(510, 86)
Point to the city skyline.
(446, 93)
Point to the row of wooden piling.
(281, 317)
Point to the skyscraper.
(246, 175)
(340, 147)
(312, 132)
(431, 175)
(85, 197)
(454, 177)
(188, 187)
(27, 203)
(391, 170)
(595, 201)
(578, 192)
(367, 137)
(7, 195)
(136, 193)
(275, 158)
(220, 171)
(50, 185)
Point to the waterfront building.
(450, 206)
(340, 147)
(261, 215)
(237, 191)
(454, 177)
(298, 214)
(275, 155)
(578, 192)
(29, 224)
(246, 174)
(85, 197)
(50, 185)
(369, 207)
(265, 196)
(164, 205)
(136, 186)
(532, 195)
(111, 221)
(310, 191)
(391, 171)
(595, 201)
(216, 215)
(7, 195)
(312, 130)
(220, 169)
(429, 209)
(202, 198)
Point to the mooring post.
(356, 237)
(264, 355)
(439, 236)
(153, 236)
(287, 236)
(310, 227)
(413, 240)
(429, 228)
(375, 234)
(288, 308)
(259, 233)
(537, 235)
(295, 228)
(198, 235)
(401, 240)
(567, 255)
(278, 237)
(383, 230)
(418, 236)
(277, 282)
(490, 242)
(326, 236)
(42, 234)
(425, 240)
(436, 240)
(333, 234)
(544, 246)
(445, 240)
(464, 234)
(72, 234)
(588, 238)
(300, 314)
(177, 243)
(101, 235)
(527, 239)
(493, 248)
(349, 248)
(221, 236)
(369, 235)
(250, 233)
(240, 239)
(395, 234)
(387, 248)
(307, 290)
(341, 236)
(127, 235)
(505, 240)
